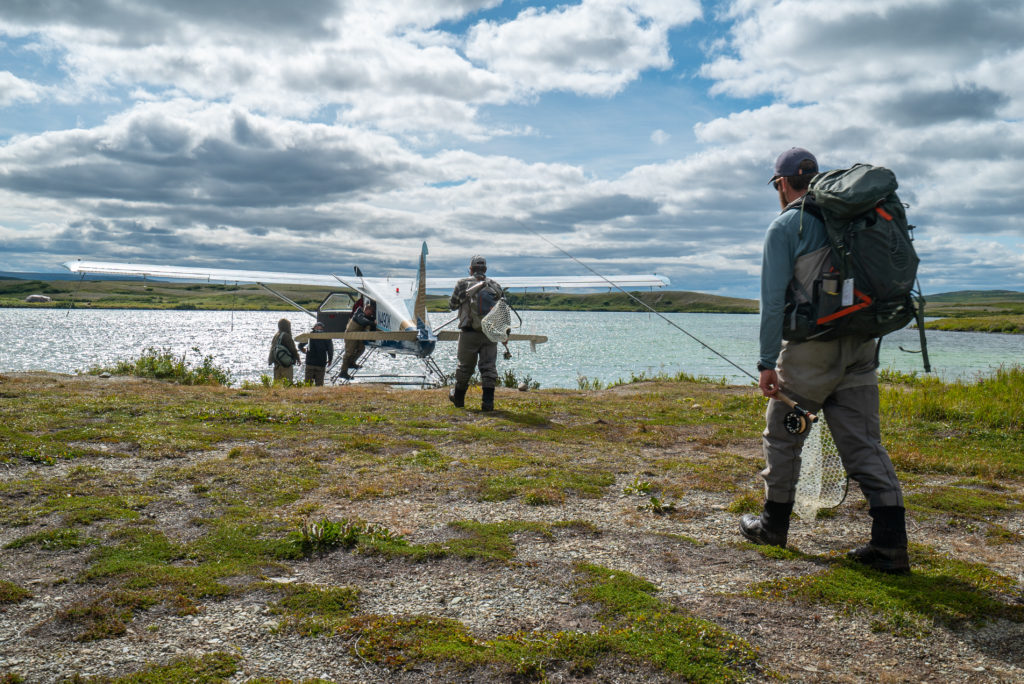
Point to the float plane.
(402, 323)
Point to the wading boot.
(771, 528)
(887, 550)
(457, 395)
(487, 402)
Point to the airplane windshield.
(337, 301)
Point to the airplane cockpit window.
(337, 301)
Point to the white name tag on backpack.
(847, 292)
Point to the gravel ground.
(803, 643)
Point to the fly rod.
(796, 422)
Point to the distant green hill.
(975, 303)
(154, 294)
(672, 301)
(976, 296)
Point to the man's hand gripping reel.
(799, 420)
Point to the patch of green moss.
(63, 538)
(997, 534)
(635, 625)
(747, 502)
(312, 610)
(144, 568)
(939, 591)
(426, 459)
(585, 483)
(965, 502)
(212, 668)
(12, 593)
(774, 552)
(248, 484)
(479, 541)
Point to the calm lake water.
(602, 346)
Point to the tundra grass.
(635, 624)
(141, 568)
(53, 540)
(474, 540)
(241, 468)
(941, 591)
(961, 428)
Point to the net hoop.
(822, 482)
(497, 324)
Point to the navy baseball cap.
(788, 163)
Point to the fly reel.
(799, 420)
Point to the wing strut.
(286, 299)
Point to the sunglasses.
(775, 183)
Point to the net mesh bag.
(822, 482)
(497, 324)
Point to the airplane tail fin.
(420, 307)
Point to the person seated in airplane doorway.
(364, 315)
(318, 357)
(283, 354)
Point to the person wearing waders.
(474, 297)
(838, 376)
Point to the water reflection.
(602, 346)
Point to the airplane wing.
(561, 282)
(213, 275)
(453, 336)
(401, 286)
(410, 335)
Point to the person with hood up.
(283, 354)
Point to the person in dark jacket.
(319, 356)
(283, 354)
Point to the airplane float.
(402, 323)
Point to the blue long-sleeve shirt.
(785, 241)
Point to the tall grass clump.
(162, 364)
(992, 401)
(965, 428)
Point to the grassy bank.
(150, 503)
(1013, 325)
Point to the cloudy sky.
(638, 135)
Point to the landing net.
(497, 324)
(822, 482)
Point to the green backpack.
(281, 353)
(866, 287)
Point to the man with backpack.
(474, 297)
(834, 372)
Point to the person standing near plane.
(283, 354)
(364, 314)
(838, 375)
(318, 357)
(474, 297)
